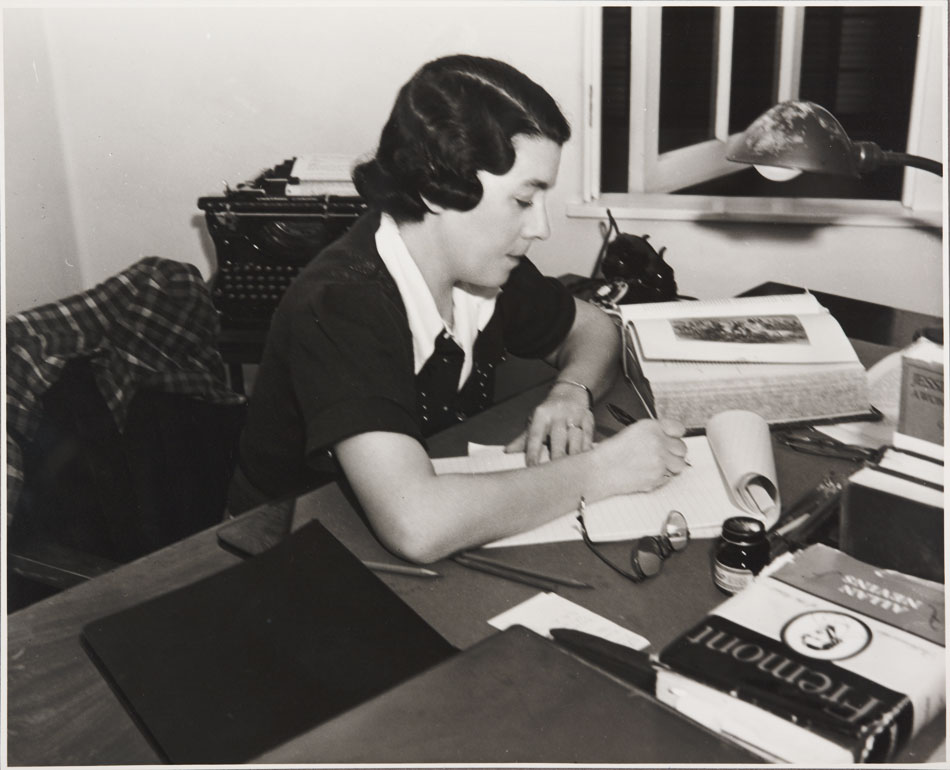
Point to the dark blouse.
(339, 362)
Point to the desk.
(62, 712)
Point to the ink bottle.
(741, 553)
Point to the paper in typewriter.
(700, 493)
(325, 174)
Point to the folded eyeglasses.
(648, 553)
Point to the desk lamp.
(794, 136)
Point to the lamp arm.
(904, 159)
(869, 156)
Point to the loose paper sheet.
(542, 612)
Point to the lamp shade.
(799, 135)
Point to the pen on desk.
(544, 585)
(633, 666)
(792, 524)
(401, 569)
(805, 515)
(564, 581)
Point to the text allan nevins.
(878, 596)
(838, 699)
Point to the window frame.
(652, 176)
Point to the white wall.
(41, 250)
(118, 119)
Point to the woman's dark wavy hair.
(456, 115)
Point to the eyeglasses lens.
(676, 531)
(647, 557)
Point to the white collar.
(471, 311)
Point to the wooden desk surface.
(62, 712)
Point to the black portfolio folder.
(514, 697)
(230, 666)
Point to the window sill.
(703, 208)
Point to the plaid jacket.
(150, 326)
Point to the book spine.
(866, 718)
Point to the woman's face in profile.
(484, 245)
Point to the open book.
(731, 473)
(783, 357)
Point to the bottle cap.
(742, 530)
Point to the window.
(676, 81)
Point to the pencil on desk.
(401, 569)
(564, 581)
(544, 585)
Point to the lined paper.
(699, 493)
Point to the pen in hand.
(621, 415)
(625, 418)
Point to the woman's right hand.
(642, 456)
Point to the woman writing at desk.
(394, 331)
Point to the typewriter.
(265, 230)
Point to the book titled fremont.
(825, 659)
(783, 357)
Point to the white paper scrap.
(545, 611)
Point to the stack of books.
(892, 514)
(783, 357)
(823, 660)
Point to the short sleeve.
(537, 312)
(351, 365)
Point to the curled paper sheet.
(741, 443)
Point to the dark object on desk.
(627, 270)
(514, 697)
(633, 666)
(228, 667)
(633, 267)
(807, 519)
(894, 522)
(263, 236)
